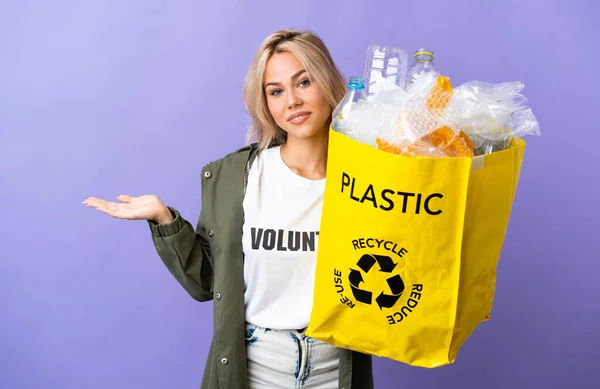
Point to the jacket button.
(224, 361)
(218, 296)
(207, 174)
(211, 233)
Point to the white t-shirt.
(280, 235)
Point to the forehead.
(281, 67)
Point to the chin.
(305, 134)
(306, 131)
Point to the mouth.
(299, 117)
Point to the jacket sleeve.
(186, 253)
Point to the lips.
(299, 117)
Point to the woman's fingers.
(135, 208)
(92, 202)
(121, 211)
(124, 198)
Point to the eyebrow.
(296, 75)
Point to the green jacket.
(209, 263)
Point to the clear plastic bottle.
(384, 62)
(356, 92)
(423, 64)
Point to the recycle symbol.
(386, 265)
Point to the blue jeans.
(289, 359)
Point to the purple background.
(109, 97)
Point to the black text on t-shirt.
(281, 240)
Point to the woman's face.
(297, 105)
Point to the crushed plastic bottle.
(423, 64)
(384, 62)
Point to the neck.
(307, 157)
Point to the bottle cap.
(426, 52)
(356, 83)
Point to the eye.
(305, 82)
(275, 92)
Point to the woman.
(262, 287)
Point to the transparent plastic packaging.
(493, 114)
(428, 117)
(432, 119)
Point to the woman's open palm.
(146, 207)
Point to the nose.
(293, 100)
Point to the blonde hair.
(312, 53)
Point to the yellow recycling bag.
(408, 249)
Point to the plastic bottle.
(356, 92)
(384, 62)
(423, 64)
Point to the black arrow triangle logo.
(355, 278)
(396, 287)
(366, 262)
(396, 284)
(386, 300)
(386, 264)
